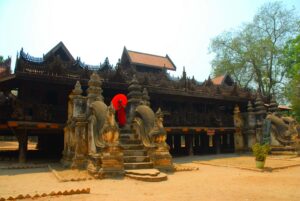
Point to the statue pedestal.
(112, 162)
(94, 164)
(79, 162)
(161, 159)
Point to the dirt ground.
(206, 183)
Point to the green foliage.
(252, 54)
(1, 59)
(260, 151)
(292, 60)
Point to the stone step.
(126, 135)
(125, 130)
(160, 177)
(133, 159)
(133, 146)
(135, 153)
(284, 153)
(281, 148)
(143, 172)
(142, 165)
(129, 141)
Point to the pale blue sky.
(94, 30)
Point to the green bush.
(260, 151)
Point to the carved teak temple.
(199, 118)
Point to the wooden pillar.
(196, 138)
(170, 141)
(218, 143)
(177, 144)
(23, 141)
(189, 144)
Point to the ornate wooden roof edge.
(60, 45)
(30, 58)
(175, 68)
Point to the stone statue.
(110, 131)
(102, 125)
(143, 123)
(149, 127)
(158, 133)
(284, 130)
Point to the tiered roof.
(148, 60)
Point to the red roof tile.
(218, 80)
(151, 60)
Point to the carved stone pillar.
(251, 126)
(80, 132)
(260, 113)
(134, 99)
(81, 148)
(238, 136)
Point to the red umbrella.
(119, 102)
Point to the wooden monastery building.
(198, 117)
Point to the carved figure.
(158, 133)
(149, 126)
(103, 127)
(110, 131)
(143, 123)
(284, 129)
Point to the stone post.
(79, 116)
(81, 150)
(238, 136)
(251, 126)
(260, 113)
(145, 97)
(134, 99)
(273, 107)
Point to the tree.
(1, 59)
(292, 60)
(252, 54)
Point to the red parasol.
(119, 99)
(119, 102)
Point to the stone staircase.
(137, 163)
(284, 150)
(135, 154)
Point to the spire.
(146, 98)
(77, 89)
(259, 106)
(273, 105)
(135, 94)
(95, 87)
(249, 107)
